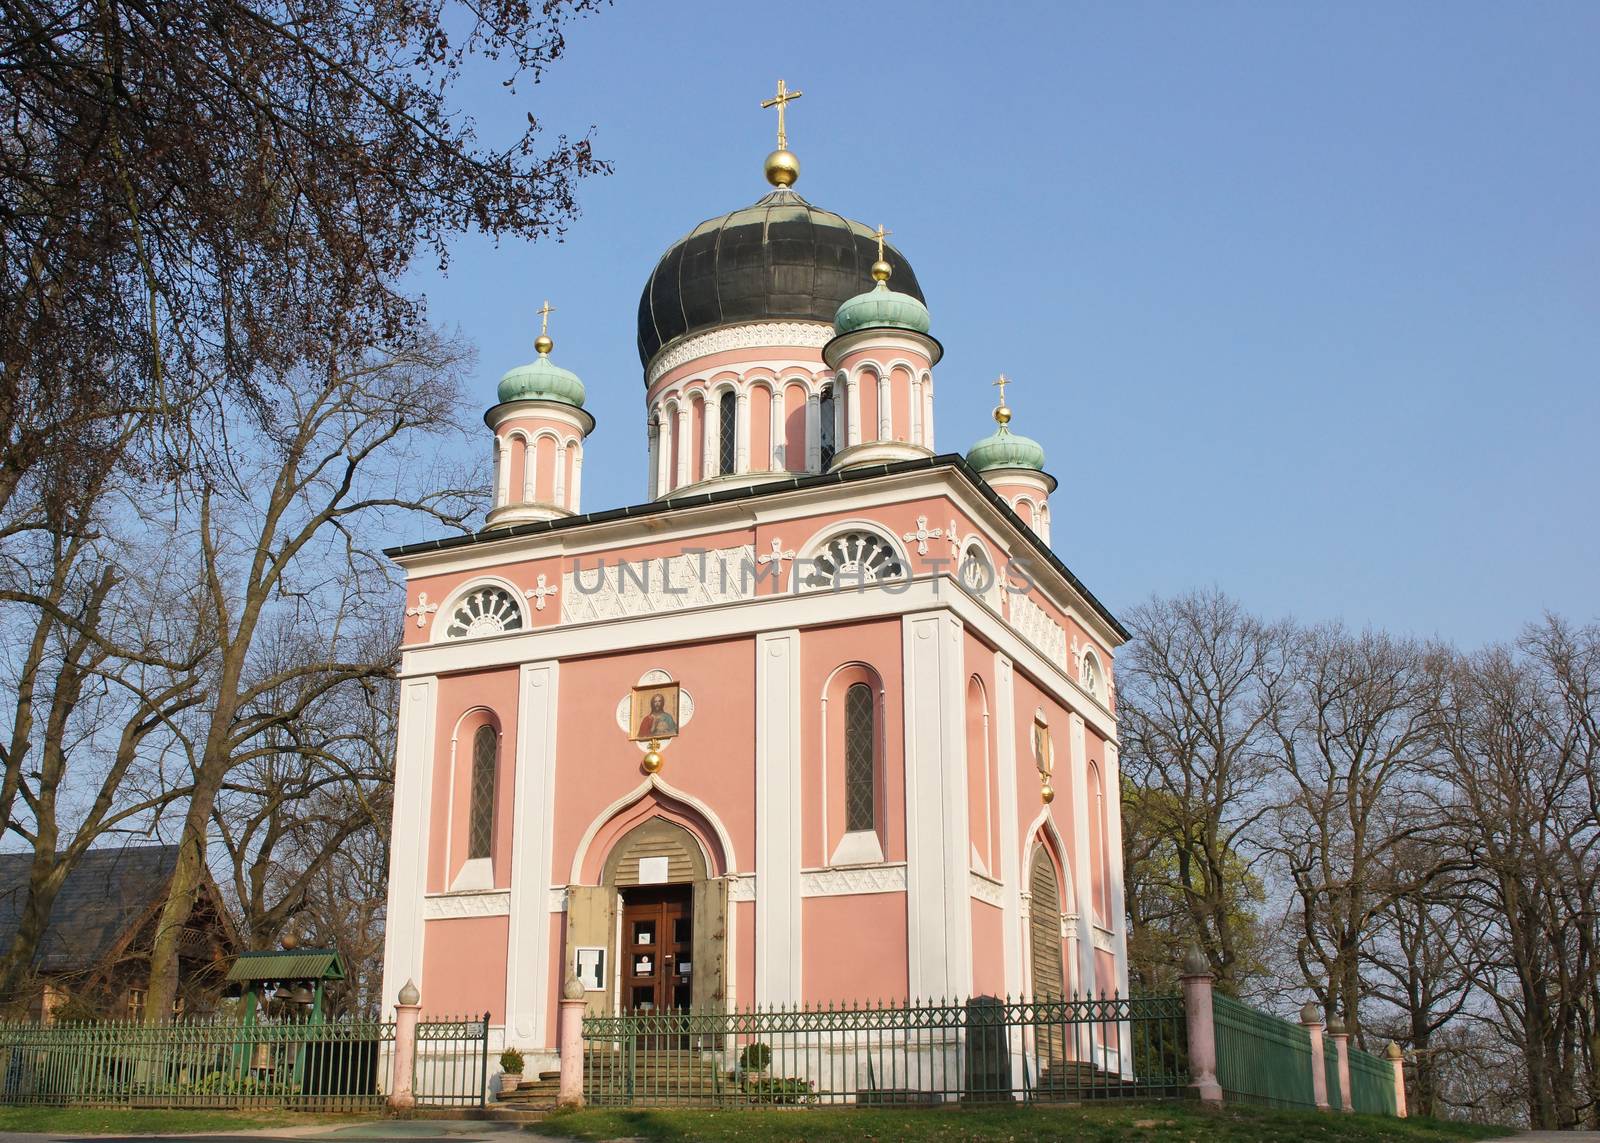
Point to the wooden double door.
(658, 948)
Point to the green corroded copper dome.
(1005, 449)
(542, 380)
(881, 308)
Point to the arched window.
(1091, 673)
(486, 611)
(860, 738)
(480, 821)
(828, 418)
(853, 559)
(727, 432)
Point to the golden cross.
(544, 317)
(882, 234)
(779, 101)
(1001, 384)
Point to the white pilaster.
(685, 447)
(915, 405)
(1118, 921)
(885, 410)
(927, 414)
(853, 400)
(502, 471)
(778, 964)
(408, 861)
(710, 464)
(813, 433)
(560, 495)
(778, 438)
(742, 433)
(530, 469)
(532, 840)
(577, 478)
(841, 407)
(1082, 875)
(1005, 732)
(938, 915)
(654, 475)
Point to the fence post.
(1201, 1019)
(1394, 1054)
(1311, 1021)
(1341, 1050)
(570, 1093)
(405, 1046)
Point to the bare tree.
(1357, 732)
(1200, 686)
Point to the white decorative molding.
(987, 889)
(1035, 625)
(558, 898)
(742, 887)
(849, 881)
(423, 609)
(1104, 939)
(922, 535)
(616, 590)
(777, 555)
(449, 906)
(654, 782)
(540, 589)
(754, 335)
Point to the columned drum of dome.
(779, 259)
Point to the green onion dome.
(881, 308)
(1005, 449)
(542, 380)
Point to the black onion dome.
(777, 259)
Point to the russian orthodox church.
(823, 719)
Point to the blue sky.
(1302, 300)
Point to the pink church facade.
(887, 767)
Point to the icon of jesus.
(658, 721)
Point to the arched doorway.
(1044, 946)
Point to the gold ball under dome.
(543, 344)
(783, 168)
(881, 271)
(1002, 414)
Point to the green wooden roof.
(287, 964)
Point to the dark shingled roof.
(109, 890)
(778, 259)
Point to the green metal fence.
(982, 1050)
(324, 1065)
(451, 1066)
(1260, 1058)
(1371, 1083)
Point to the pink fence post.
(1398, 1063)
(405, 1046)
(1201, 1019)
(1311, 1021)
(1341, 1050)
(570, 1093)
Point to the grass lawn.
(1157, 1123)
(125, 1121)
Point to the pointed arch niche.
(477, 785)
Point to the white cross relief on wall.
(922, 535)
(539, 591)
(954, 537)
(777, 555)
(423, 608)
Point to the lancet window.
(727, 432)
(480, 822)
(860, 737)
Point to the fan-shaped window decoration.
(486, 611)
(480, 823)
(860, 785)
(1091, 673)
(852, 559)
(977, 574)
(727, 432)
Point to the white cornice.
(450, 906)
(750, 335)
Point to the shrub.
(755, 1057)
(511, 1062)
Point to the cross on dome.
(543, 343)
(781, 101)
(782, 167)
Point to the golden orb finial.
(542, 343)
(1002, 411)
(652, 757)
(1047, 793)
(881, 268)
(782, 167)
